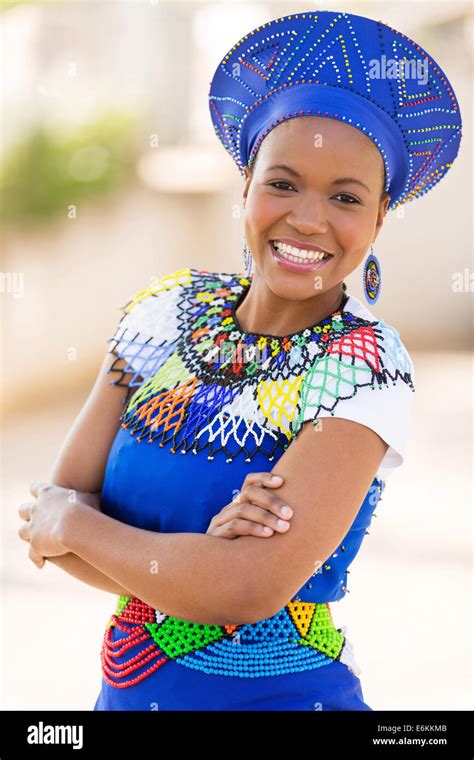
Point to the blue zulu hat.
(344, 67)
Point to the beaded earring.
(372, 278)
(247, 258)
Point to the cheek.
(262, 210)
(353, 229)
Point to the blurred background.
(111, 175)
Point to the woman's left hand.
(43, 521)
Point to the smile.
(298, 259)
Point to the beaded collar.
(230, 354)
(279, 340)
(205, 382)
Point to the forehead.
(322, 142)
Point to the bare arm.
(84, 572)
(193, 576)
(208, 580)
(80, 463)
(200, 577)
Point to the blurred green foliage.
(6, 4)
(51, 170)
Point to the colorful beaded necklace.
(247, 349)
(213, 384)
(296, 336)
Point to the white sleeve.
(149, 327)
(376, 392)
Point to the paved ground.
(409, 610)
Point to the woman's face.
(314, 202)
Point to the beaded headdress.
(344, 67)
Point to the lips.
(294, 264)
(302, 246)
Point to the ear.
(248, 180)
(381, 215)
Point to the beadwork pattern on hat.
(345, 67)
(201, 382)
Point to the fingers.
(38, 559)
(248, 511)
(25, 510)
(236, 517)
(240, 527)
(267, 479)
(255, 510)
(24, 531)
(268, 500)
(35, 487)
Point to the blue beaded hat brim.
(341, 66)
(343, 105)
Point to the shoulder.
(363, 372)
(155, 310)
(148, 328)
(379, 345)
(157, 316)
(145, 309)
(167, 297)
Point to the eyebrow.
(350, 180)
(341, 181)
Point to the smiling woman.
(295, 214)
(229, 375)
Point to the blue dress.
(173, 465)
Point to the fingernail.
(277, 477)
(282, 523)
(286, 511)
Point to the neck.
(262, 311)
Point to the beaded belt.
(301, 636)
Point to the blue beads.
(255, 660)
(321, 63)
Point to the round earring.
(247, 258)
(372, 278)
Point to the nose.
(308, 217)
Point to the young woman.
(225, 574)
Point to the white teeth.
(297, 254)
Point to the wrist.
(72, 514)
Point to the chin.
(288, 286)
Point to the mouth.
(298, 259)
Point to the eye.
(280, 182)
(351, 199)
